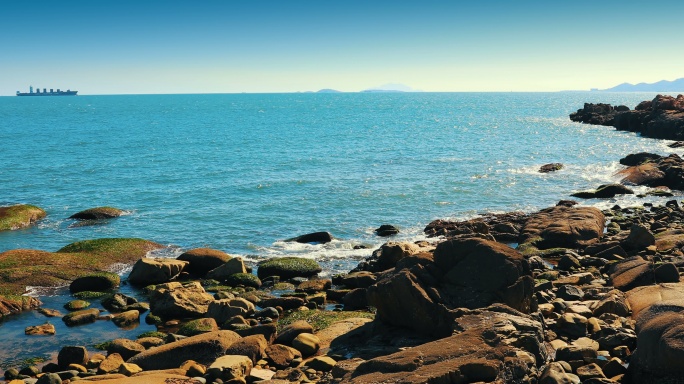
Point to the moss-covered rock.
(19, 216)
(99, 213)
(76, 305)
(288, 267)
(90, 295)
(320, 319)
(197, 326)
(20, 268)
(246, 279)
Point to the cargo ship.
(45, 92)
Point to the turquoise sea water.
(242, 172)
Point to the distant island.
(660, 86)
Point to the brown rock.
(111, 364)
(290, 331)
(148, 271)
(204, 349)
(125, 348)
(202, 260)
(253, 346)
(281, 355)
(563, 227)
(44, 329)
(176, 301)
(470, 273)
(72, 355)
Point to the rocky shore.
(568, 294)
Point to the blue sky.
(210, 46)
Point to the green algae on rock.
(20, 268)
(288, 267)
(19, 216)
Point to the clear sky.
(221, 46)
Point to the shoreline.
(575, 259)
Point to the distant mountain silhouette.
(660, 86)
(328, 90)
(392, 87)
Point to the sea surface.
(244, 172)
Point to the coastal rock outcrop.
(660, 118)
(494, 344)
(288, 267)
(422, 292)
(174, 300)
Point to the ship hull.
(62, 93)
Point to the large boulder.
(19, 216)
(204, 349)
(470, 273)
(227, 269)
(563, 226)
(641, 298)
(496, 345)
(202, 260)
(148, 271)
(660, 351)
(180, 301)
(635, 271)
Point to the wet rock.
(99, 213)
(118, 302)
(84, 316)
(126, 319)
(315, 238)
(148, 271)
(639, 158)
(315, 285)
(361, 279)
(387, 256)
(44, 329)
(553, 167)
(355, 299)
(285, 303)
(604, 191)
(386, 230)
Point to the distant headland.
(660, 86)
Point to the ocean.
(244, 172)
